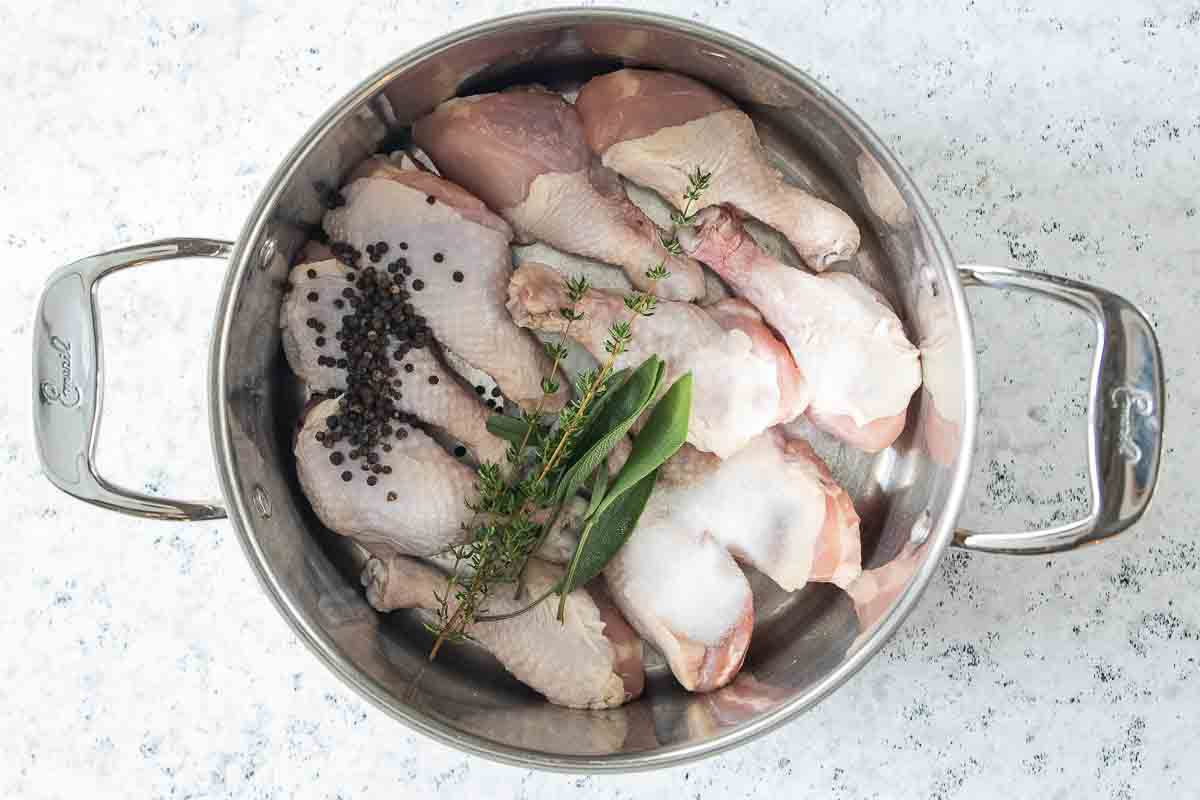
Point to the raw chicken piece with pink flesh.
(773, 505)
(592, 659)
(456, 255)
(699, 613)
(524, 153)
(744, 379)
(850, 346)
(429, 390)
(418, 507)
(657, 127)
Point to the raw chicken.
(657, 127)
(682, 591)
(849, 344)
(773, 505)
(460, 263)
(591, 660)
(743, 383)
(736, 314)
(876, 435)
(524, 153)
(429, 486)
(444, 403)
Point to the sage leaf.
(603, 536)
(599, 488)
(617, 417)
(663, 434)
(508, 428)
(603, 413)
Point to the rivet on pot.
(921, 528)
(929, 278)
(266, 252)
(262, 503)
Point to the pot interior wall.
(799, 639)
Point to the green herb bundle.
(550, 461)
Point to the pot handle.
(1125, 414)
(68, 378)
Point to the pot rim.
(244, 258)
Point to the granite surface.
(141, 659)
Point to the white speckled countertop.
(141, 659)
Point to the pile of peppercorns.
(374, 337)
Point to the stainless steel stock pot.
(806, 644)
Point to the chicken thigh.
(416, 505)
(743, 383)
(455, 255)
(524, 153)
(849, 344)
(773, 505)
(657, 127)
(683, 592)
(427, 388)
(591, 660)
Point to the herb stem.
(570, 577)
(503, 535)
(537, 412)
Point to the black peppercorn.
(347, 475)
(457, 276)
